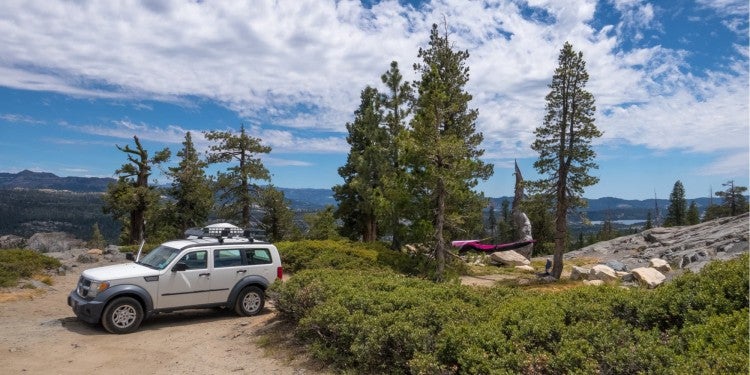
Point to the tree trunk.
(136, 226)
(396, 239)
(561, 229)
(370, 230)
(561, 226)
(439, 223)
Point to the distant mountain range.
(315, 199)
(40, 180)
(32, 202)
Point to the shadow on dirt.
(161, 321)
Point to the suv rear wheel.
(122, 315)
(250, 301)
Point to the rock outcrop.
(53, 242)
(602, 272)
(649, 277)
(686, 247)
(509, 258)
(11, 241)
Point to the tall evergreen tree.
(131, 197)
(397, 102)
(278, 219)
(733, 199)
(443, 150)
(191, 189)
(564, 144)
(541, 216)
(677, 210)
(236, 190)
(360, 197)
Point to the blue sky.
(670, 80)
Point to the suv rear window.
(258, 256)
(227, 258)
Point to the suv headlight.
(97, 287)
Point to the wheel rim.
(251, 302)
(124, 316)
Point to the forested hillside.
(24, 212)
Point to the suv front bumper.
(89, 311)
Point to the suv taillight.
(279, 272)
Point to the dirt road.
(42, 336)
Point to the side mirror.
(129, 256)
(180, 266)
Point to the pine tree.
(131, 197)
(564, 144)
(360, 197)
(693, 216)
(506, 227)
(734, 201)
(236, 191)
(322, 225)
(278, 219)
(443, 147)
(97, 240)
(677, 210)
(649, 221)
(397, 102)
(191, 189)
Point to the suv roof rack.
(225, 230)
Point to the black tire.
(122, 315)
(250, 301)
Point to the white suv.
(220, 265)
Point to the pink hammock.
(466, 245)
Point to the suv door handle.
(241, 271)
(204, 274)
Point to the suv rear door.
(228, 268)
(230, 265)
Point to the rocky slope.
(684, 248)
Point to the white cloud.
(268, 60)
(735, 164)
(20, 119)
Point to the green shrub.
(378, 321)
(17, 263)
(720, 288)
(310, 254)
(344, 254)
(719, 345)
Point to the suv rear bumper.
(89, 311)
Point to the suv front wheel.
(122, 315)
(250, 301)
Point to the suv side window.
(258, 256)
(195, 260)
(227, 258)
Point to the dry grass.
(25, 290)
(10, 295)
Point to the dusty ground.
(39, 334)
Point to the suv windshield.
(159, 258)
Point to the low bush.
(17, 263)
(344, 254)
(379, 321)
